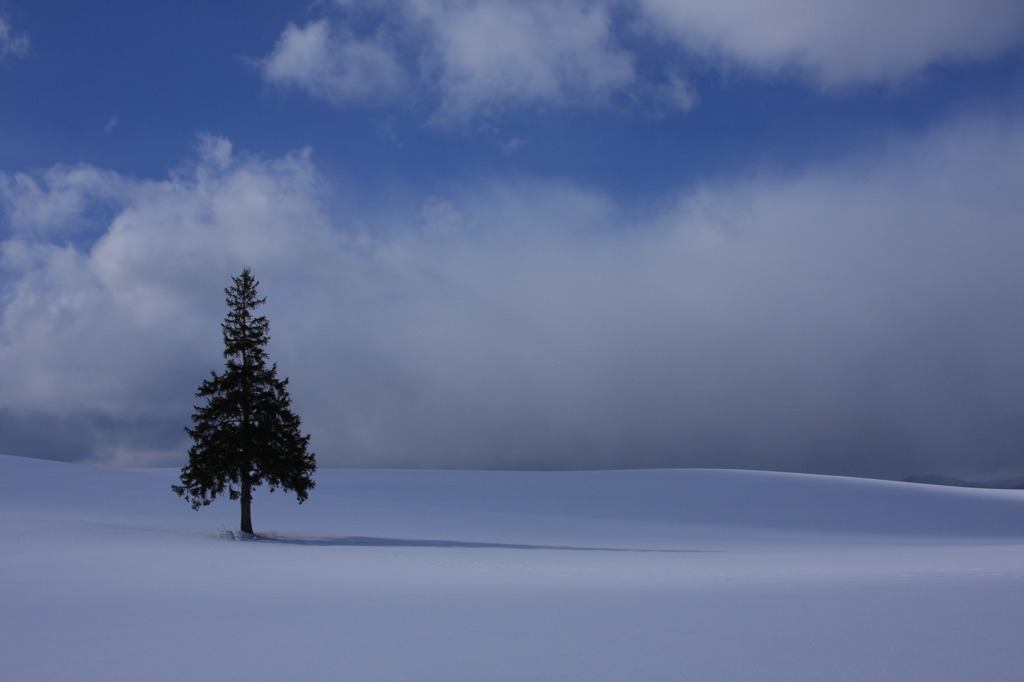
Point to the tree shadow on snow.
(358, 541)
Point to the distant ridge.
(1015, 483)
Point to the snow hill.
(467, 575)
(1015, 483)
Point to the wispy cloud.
(58, 199)
(12, 43)
(512, 145)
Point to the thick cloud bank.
(862, 318)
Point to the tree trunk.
(246, 504)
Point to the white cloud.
(854, 319)
(485, 57)
(841, 43)
(335, 65)
(58, 199)
(478, 56)
(491, 54)
(99, 327)
(12, 43)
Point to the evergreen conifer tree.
(246, 434)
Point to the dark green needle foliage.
(246, 434)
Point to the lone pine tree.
(246, 434)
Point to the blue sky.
(128, 87)
(541, 234)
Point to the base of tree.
(239, 535)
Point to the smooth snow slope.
(456, 575)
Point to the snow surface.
(465, 575)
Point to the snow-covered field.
(458, 575)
